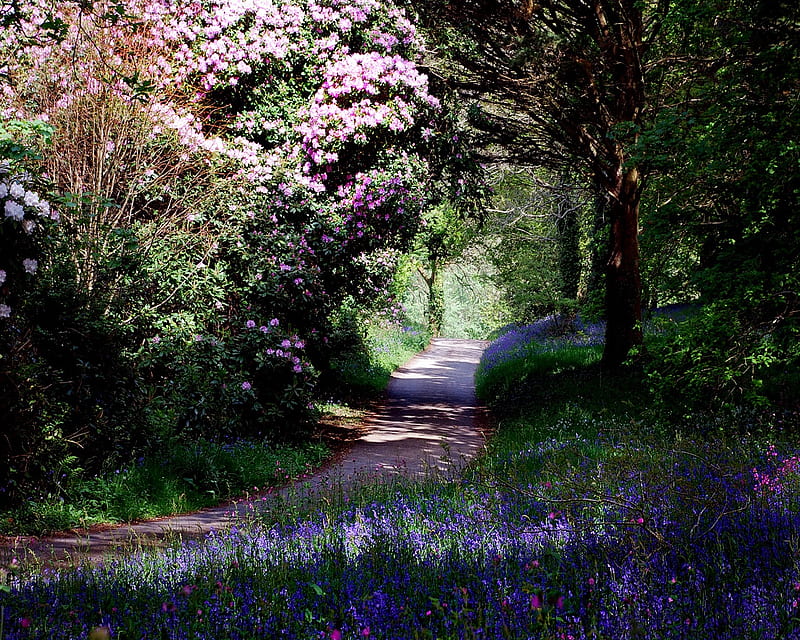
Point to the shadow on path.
(430, 422)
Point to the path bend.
(430, 422)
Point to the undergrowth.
(184, 477)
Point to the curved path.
(430, 422)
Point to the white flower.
(5, 311)
(30, 265)
(32, 199)
(17, 190)
(14, 210)
(2, 276)
(29, 226)
(3, 189)
(44, 208)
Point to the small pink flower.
(25, 623)
(335, 634)
(365, 632)
(536, 601)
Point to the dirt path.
(430, 422)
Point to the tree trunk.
(435, 306)
(568, 250)
(623, 279)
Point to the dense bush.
(725, 356)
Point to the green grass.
(500, 380)
(186, 478)
(386, 347)
(561, 421)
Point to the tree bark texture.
(623, 278)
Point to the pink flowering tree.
(232, 172)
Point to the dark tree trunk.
(623, 278)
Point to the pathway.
(430, 422)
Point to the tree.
(443, 238)
(561, 82)
(540, 231)
(726, 169)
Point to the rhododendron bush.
(221, 165)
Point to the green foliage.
(21, 139)
(511, 379)
(180, 478)
(368, 351)
(473, 304)
(722, 357)
(721, 222)
(541, 243)
(443, 239)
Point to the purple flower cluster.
(547, 334)
(538, 561)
